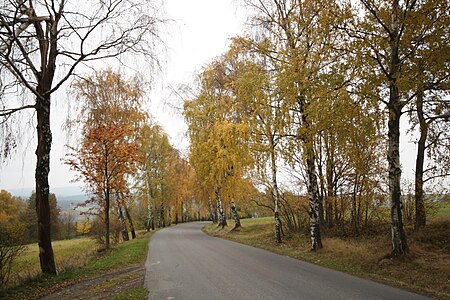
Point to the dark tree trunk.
(130, 220)
(321, 192)
(158, 217)
(163, 216)
(353, 213)
(48, 52)
(212, 211)
(330, 186)
(46, 256)
(366, 217)
(420, 214)
(169, 217)
(152, 222)
(399, 245)
(336, 210)
(107, 233)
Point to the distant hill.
(67, 197)
(68, 202)
(23, 192)
(58, 191)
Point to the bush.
(11, 246)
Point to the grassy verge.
(91, 264)
(138, 293)
(69, 254)
(426, 270)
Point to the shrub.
(11, 246)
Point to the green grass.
(126, 254)
(68, 253)
(425, 270)
(137, 293)
(443, 211)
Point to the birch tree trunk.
(314, 206)
(151, 218)
(123, 225)
(237, 222)
(46, 256)
(275, 193)
(150, 222)
(222, 217)
(399, 245)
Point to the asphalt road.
(185, 263)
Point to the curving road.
(185, 263)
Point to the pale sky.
(200, 32)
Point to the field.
(78, 260)
(425, 270)
(69, 254)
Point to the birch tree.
(42, 44)
(155, 177)
(301, 44)
(101, 161)
(262, 111)
(108, 155)
(392, 35)
(218, 151)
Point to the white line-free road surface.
(185, 263)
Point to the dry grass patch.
(69, 254)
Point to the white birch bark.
(276, 194)
(222, 217)
(399, 245)
(237, 222)
(314, 220)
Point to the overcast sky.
(199, 32)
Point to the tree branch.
(10, 111)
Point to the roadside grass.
(69, 254)
(89, 264)
(138, 293)
(425, 270)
